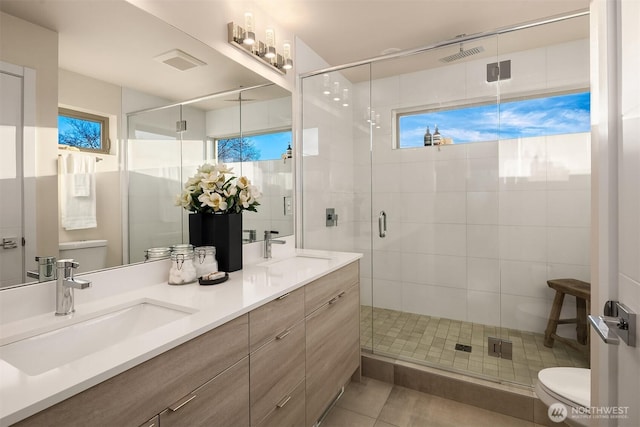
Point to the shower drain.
(463, 347)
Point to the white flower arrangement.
(211, 191)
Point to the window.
(522, 118)
(88, 132)
(262, 146)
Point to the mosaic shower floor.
(419, 338)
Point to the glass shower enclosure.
(462, 172)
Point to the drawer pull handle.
(283, 402)
(283, 296)
(283, 334)
(182, 402)
(341, 294)
(333, 300)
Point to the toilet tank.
(90, 254)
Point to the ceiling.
(114, 41)
(343, 31)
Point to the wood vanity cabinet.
(221, 402)
(332, 337)
(277, 341)
(140, 393)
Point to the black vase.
(222, 231)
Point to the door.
(616, 207)
(12, 265)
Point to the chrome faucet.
(46, 269)
(65, 284)
(268, 241)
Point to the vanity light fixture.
(249, 35)
(270, 51)
(245, 40)
(286, 52)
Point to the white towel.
(77, 191)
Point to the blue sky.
(516, 119)
(271, 145)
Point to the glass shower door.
(154, 172)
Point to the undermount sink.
(298, 259)
(42, 352)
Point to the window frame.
(250, 134)
(105, 141)
(474, 102)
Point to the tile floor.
(373, 403)
(421, 339)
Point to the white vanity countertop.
(22, 395)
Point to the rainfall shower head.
(462, 54)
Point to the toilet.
(90, 254)
(569, 386)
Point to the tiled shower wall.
(474, 230)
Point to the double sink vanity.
(272, 346)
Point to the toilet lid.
(573, 384)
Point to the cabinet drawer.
(136, 395)
(153, 422)
(289, 412)
(273, 318)
(223, 401)
(275, 370)
(322, 290)
(332, 352)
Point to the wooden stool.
(582, 291)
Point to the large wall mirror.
(130, 61)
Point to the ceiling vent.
(180, 60)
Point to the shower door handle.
(382, 224)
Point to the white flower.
(214, 200)
(222, 168)
(184, 199)
(243, 182)
(217, 192)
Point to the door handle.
(382, 224)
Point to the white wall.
(474, 231)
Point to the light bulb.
(326, 85)
(286, 55)
(345, 97)
(336, 91)
(271, 42)
(249, 35)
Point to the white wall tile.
(434, 301)
(522, 164)
(570, 271)
(389, 265)
(449, 207)
(483, 274)
(483, 241)
(483, 307)
(523, 208)
(482, 174)
(524, 313)
(569, 161)
(482, 207)
(524, 278)
(451, 175)
(569, 245)
(446, 271)
(569, 208)
(523, 243)
(387, 294)
(482, 149)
